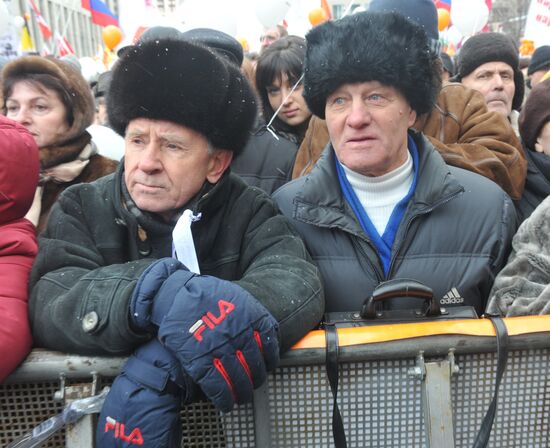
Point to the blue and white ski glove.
(225, 340)
(144, 403)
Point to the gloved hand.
(224, 338)
(144, 403)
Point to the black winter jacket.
(455, 233)
(92, 253)
(265, 162)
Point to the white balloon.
(215, 14)
(271, 12)
(454, 36)
(88, 67)
(5, 18)
(18, 22)
(469, 16)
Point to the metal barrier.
(380, 394)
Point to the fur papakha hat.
(371, 46)
(184, 83)
(491, 47)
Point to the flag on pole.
(63, 46)
(45, 29)
(325, 7)
(26, 40)
(101, 14)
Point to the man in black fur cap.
(489, 63)
(381, 203)
(121, 256)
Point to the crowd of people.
(239, 199)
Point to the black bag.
(372, 313)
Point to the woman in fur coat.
(53, 101)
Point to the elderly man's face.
(495, 81)
(166, 164)
(269, 36)
(367, 123)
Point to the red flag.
(86, 5)
(63, 46)
(325, 7)
(45, 30)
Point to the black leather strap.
(484, 433)
(338, 432)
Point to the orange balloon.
(443, 19)
(317, 16)
(112, 36)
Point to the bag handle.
(401, 287)
(332, 354)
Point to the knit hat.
(184, 83)
(77, 92)
(491, 47)
(540, 60)
(367, 46)
(535, 113)
(422, 12)
(220, 42)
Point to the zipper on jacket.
(410, 221)
(361, 249)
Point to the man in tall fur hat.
(459, 126)
(120, 260)
(381, 203)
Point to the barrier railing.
(381, 396)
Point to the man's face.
(367, 123)
(269, 36)
(166, 164)
(495, 81)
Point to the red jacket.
(19, 168)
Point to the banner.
(45, 29)
(101, 14)
(537, 26)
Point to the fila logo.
(452, 298)
(134, 438)
(209, 320)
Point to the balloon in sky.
(271, 12)
(112, 36)
(469, 16)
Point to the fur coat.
(523, 286)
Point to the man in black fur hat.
(381, 203)
(121, 256)
(489, 63)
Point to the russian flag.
(101, 14)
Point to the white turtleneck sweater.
(380, 195)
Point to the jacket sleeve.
(278, 271)
(78, 302)
(523, 287)
(18, 248)
(470, 136)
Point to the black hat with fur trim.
(491, 47)
(371, 46)
(187, 84)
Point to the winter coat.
(537, 184)
(464, 132)
(454, 236)
(18, 179)
(522, 287)
(266, 161)
(93, 251)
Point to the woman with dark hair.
(53, 101)
(278, 81)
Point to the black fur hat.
(371, 46)
(491, 47)
(184, 83)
